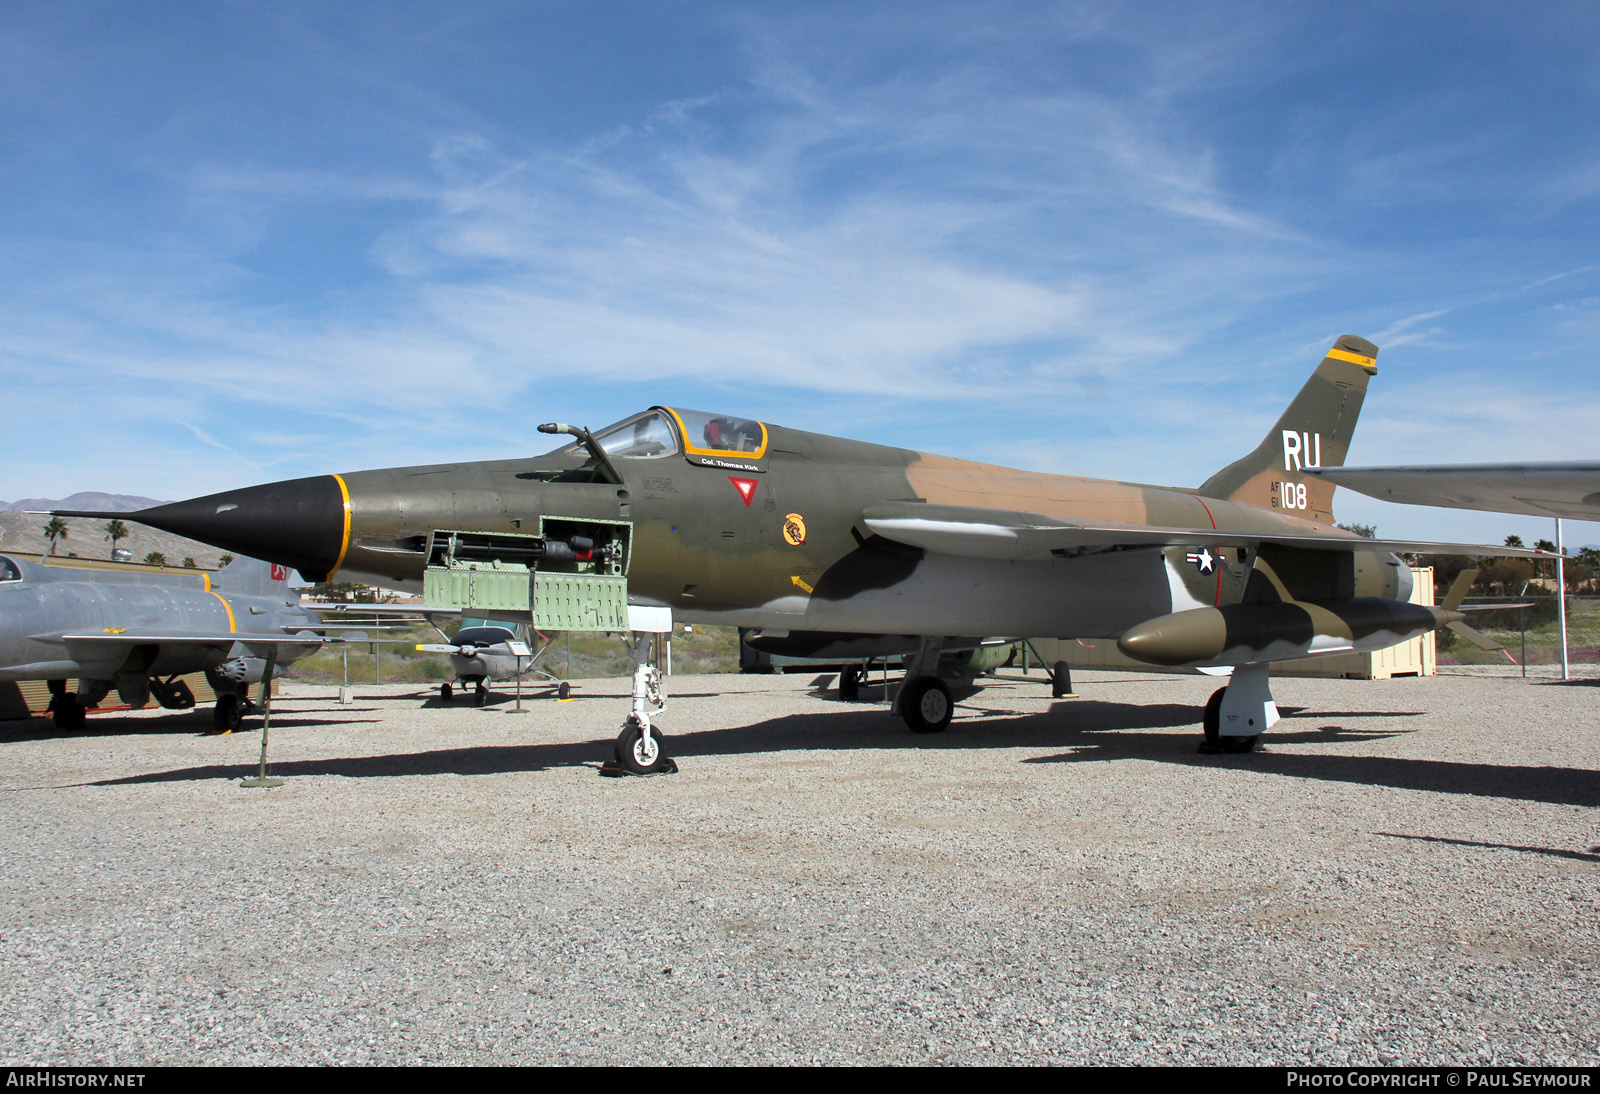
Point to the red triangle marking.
(746, 488)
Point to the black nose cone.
(304, 523)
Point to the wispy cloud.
(1079, 236)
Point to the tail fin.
(1314, 432)
(252, 577)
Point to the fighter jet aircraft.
(138, 632)
(884, 551)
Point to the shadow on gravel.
(189, 725)
(494, 760)
(1555, 852)
(1553, 785)
(1095, 732)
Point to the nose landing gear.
(640, 747)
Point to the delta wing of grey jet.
(136, 632)
(823, 543)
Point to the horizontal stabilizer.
(1476, 637)
(1019, 537)
(1538, 489)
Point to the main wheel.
(1211, 723)
(227, 714)
(67, 712)
(850, 683)
(926, 706)
(564, 691)
(446, 693)
(638, 753)
(1060, 680)
(1211, 720)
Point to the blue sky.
(248, 241)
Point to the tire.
(1211, 721)
(1060, 680)
(446, 693)
(67, 712)
(927, 706)
(480, 694)
(564, 691)
(850, 683)
(227, 714)
(635, 756)
(1212, 724)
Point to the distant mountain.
(85, 499)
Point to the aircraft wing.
(1013, 536)
(257, 643)
(1538, 489)
(131, 639)
(403, 611)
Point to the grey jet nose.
(304, 523)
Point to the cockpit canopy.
(483, 635)
(9, 570)
(663, 431)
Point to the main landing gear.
(1236, 715)
(850, 683)
(64, 709)
(924, 699)
(229, 712)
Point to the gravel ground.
(1406, 874)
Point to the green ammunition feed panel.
(580, 602)
(585, 595)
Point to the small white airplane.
(485, 652)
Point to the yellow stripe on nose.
(344, 544)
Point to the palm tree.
(115, 530)
(56, 529)
(156, 558)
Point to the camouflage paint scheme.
(797, 532)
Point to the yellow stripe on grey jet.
(233, 627)
(344, 544)
(1368, 363)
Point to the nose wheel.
(641, 750)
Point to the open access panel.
(572, 575)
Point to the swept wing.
(1013, 536)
